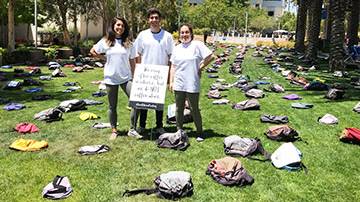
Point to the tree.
(314, 28)
(288, 21)
(353, 22)
(336, 59)
(11, 27)
(301, 26)
(57, 11)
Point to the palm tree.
(314, 28)
(11, 26)
(353, 22)
(337, 9)
(301, 26)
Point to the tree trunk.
(353, 23)
(315, 15)
(64, 28)
(300, 26)
(336, 61)
(11, 27)
(87, 27)
(328, 23)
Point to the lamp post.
(35, 19)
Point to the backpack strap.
(304, 167)
(261, 149)
(147, 191)
(56, 183)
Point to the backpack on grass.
(357, 108)
(335, 94)
(49, 115)
(288, 157)
(242, 146)
(59, 188)
(351, 135)
(93, 149)
(171, 115)
(26, 128)
(229, 171)
(178, 140)
(172, 185)
(251, 104)
(282, 133)
(72, 105)
(267, 118)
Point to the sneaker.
(140, 130)
(159, 131)
(133, 133)
(200, 139)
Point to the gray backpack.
(59, 188)
(178, 140)
(267, 118)
(254, 93)
(172, 185)
(242, 146)
(72, 105)
(251, 104)
(49, 115)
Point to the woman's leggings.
(112, 91)
(193, 98)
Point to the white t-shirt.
(117, 67)
(186, 59)
(154, 49)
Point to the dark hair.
(110, 36)
(190, 29)
(153, 11)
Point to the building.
(274, 8)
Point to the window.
(270, 13)
(257, 5)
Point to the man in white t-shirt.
(154, 46)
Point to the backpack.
(49, 115)
(13, 106)
(26, 128)
(72, 105)
(31, 82)
(251, 104)
(277, 88)
(28, 145)
(178, 140)
(301, 105)
(12, 85)
(282, 133)
(254, 93)
(58, 73)
(328, 119)
(229, 171)
(172, 185)
(267, 118)
(235, 145)
(59, 188)
(357, 108)
(171, 115)
(350, 135)
(93, 149)
(288, 157)
(214, 94)
(335, 94)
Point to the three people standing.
(153, 46)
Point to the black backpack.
(172, 185)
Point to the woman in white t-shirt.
(120, 63)
(189, 58)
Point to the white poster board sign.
(148, 89)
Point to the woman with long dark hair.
(189, 58)
(120, 63)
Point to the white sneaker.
(133, 133)
(159, 131)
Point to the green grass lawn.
(333, 166)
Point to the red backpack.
(26, 128)
(351, 135)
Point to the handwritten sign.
(149, 86)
